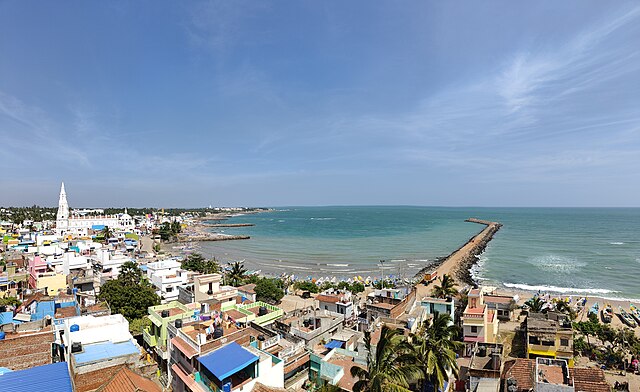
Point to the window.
(564, 342)
(326, 307)
(474, 329)
(549, 343)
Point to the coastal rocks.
(470, 258)
(459, 262)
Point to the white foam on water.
(337, 265)
(616, 243)
(556, 289)
(556, 263)
(322, 219)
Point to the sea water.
(588, 251)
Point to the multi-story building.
(167, 276)
(339, 302)
(480, 324)
(156, 336)
(549, 336)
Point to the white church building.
(79, 225)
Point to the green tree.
(356, 287)
(535, 304)
(10, 301)
(305, 285)
(106, 233)
(137, 325)
(130, 294)
(446, 287)
(269, 290)
(196, 262)
(389, 364)
(435, 349)
(236, 275)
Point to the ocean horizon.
(564, 250)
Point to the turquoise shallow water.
(572, 250)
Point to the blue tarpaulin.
(334, 344)
(227, 360)
(47, 378)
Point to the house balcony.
(149, 339)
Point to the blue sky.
(165, 103)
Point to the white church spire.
(62, 218)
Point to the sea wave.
(616, 243)
(556, 263)
(322, 219)
(556, 289)
(337, 265)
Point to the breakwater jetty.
(212, 237)
(228, 224)
(458, 264)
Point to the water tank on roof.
(218, 332)
(76, 347)
(2, 334)
(165, 313)
(74, 328)
(261, 338)
(262, 311)
(178, 323)
(68, 291)
(75, 291)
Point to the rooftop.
(47, 378)
(126, 380)
(100, 351)
(227, 360)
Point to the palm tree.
(446, 288)
(237, 274)
(106, 233)
(388, 366)
(435, 350)
(535, 304)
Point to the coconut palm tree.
(446, 288)
(535, 304)
(389, 368)
(237, 274)
(435, 350)
(106, 233)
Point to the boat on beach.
(594, 309)
(635, 312)
(607, 314)
(626, 318)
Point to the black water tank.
(218, 332)
(3, 309)
(165, 313)
(68, 291)
(262, 311)
(178, 323)
(76, 347)
(261, 338)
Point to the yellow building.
(52, 281)
(549, 336)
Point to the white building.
(108, 262)
(167, 276)
(79, 225)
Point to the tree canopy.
(269, 290)
(197, 262)
(130, 294)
